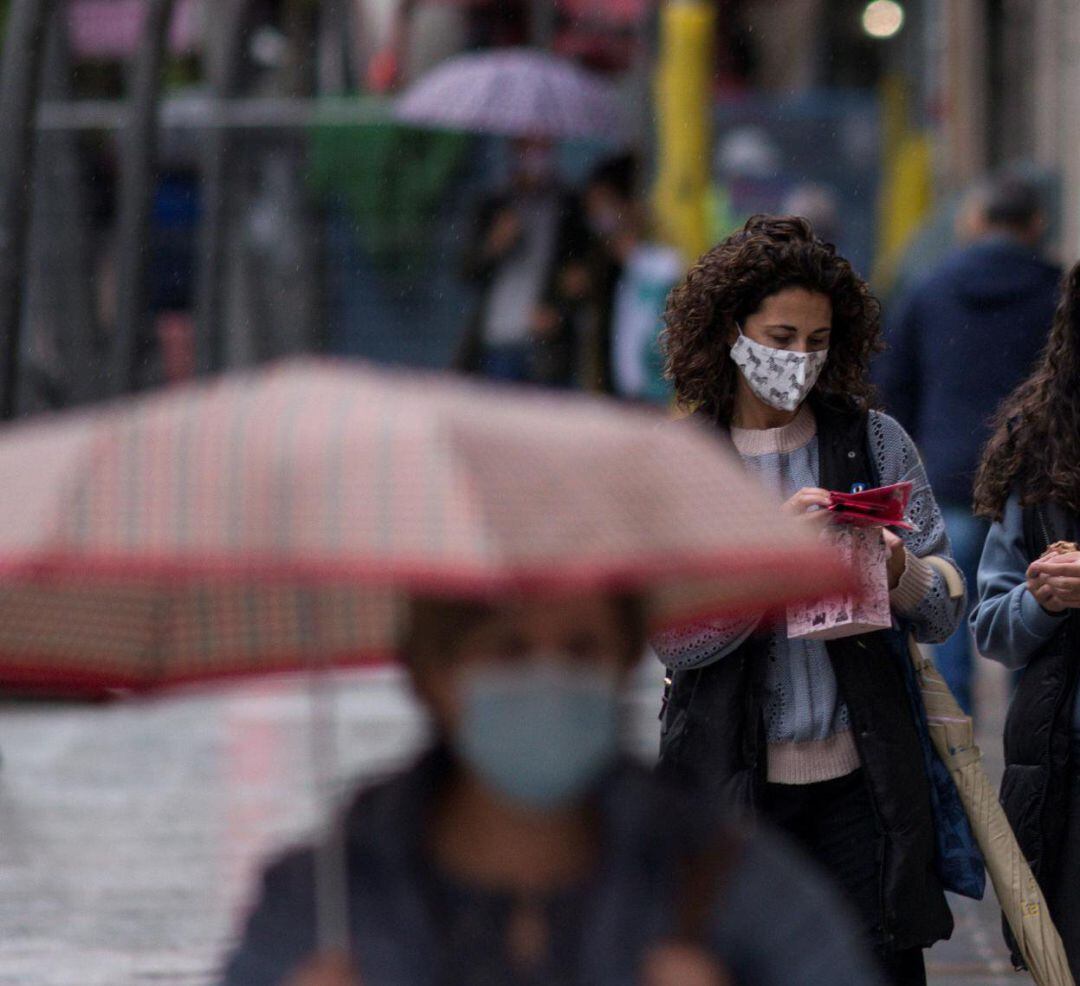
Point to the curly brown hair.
(769, 254)
(1035, 446)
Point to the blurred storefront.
(870, 117)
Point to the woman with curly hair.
(1026, 616)
(768, 341)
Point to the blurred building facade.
(875, 136)
(1005, 90)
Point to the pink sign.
(617, 12)
(113, 28)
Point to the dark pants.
(1065, 908)
(834, 822)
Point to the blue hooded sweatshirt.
(959, 343)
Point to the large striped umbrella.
(514, 92)
(277, 520)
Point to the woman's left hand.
(897, 561)
(1061, 574)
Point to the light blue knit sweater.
(1009, 625)
(802, 703)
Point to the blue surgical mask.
(539, 735)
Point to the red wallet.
(884, 506)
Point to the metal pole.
(333, 36)
(331, 887)
(23, 50)
(139, 171)
(226, 73)
(331, 857)
(75, 330)
(300, 20)
(542, 22)
(684, 124)
(337, 14)
(202, 114)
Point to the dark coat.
(714, 731)
(573, 245)
(767, 914)
(959, 343)
(1038, 729)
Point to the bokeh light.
(883, 18)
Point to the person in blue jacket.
(1027, 612)
(960, 341)
(523, 849)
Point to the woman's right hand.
(809, 504)
(1054, 581)
(1043, 593)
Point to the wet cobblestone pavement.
(130, 832)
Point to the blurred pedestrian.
(529, 258)
(632, 277)
(423, 33)
(818, 205)
(420, 35)
(523, 849)
(1028, 486)
(769, 340)
(960, 342)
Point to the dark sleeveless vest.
(714, 733)
(1038, 728)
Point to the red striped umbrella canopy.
(278, 520)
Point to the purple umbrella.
(514, 93)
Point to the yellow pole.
(907, 181)
(684, 124)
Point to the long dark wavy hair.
(730, 282)
(1035, 447)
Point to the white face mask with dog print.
(780, 378)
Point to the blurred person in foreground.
(529, 259)
(1027, 617)
(523, 848)
(960, 342)
(632, 278)
(769, 340)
